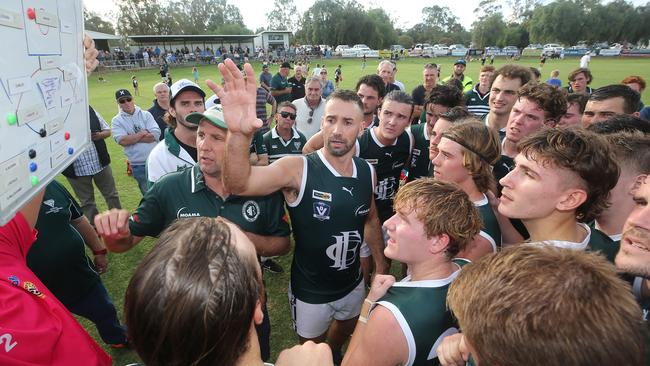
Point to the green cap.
(214, 115)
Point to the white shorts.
(365, 252)
(313, 320)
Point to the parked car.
(551, 49)
(457, 47)
(338, 51)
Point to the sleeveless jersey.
(419, 164)
(388, 162)
(328, 219)
(420, 308)
(490, 229)
(595, 241)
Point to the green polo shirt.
(184, 194)
(58, 256)
(279, 83)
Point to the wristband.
(100, 252)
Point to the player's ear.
(572, 199)
(258, 315)
(438, 243)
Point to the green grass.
(101, 96)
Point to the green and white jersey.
(476, 103)
(595, 241)
(502, 131)
(490, 229)
(420, 308)
(388, 161)
(277, 147)
(328, 219)
(184, 194)
(420, 164)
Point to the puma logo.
(390, 154)
(349, 190)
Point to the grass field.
(101, 96)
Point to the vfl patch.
(250, 210)
(321, 211)
(31, 288)
(416, 152)
(372, 161)
(323, 196)
(297, 144)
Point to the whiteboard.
(43, 96)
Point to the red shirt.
(35, 328)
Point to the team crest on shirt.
(250, 210)
(322, 211)
(31, 288)
(297, 144)
(51, 208)
(323, 196)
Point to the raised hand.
(238, 98)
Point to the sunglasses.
(124, 100)
(311, 116)
(288, 114)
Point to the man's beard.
(637, 269)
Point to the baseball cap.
(265, 66)
(212, 101)
(461, 62)
(122, 93)
(285, 64)
(214, 115)
(183, 85)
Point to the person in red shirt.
(35, 328)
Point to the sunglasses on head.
(124, 100)
(288, 114)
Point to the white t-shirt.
(303, 117)
(584, 61)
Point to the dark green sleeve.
(75, 209)
(148, 219)
(277, 220)
(260, 142)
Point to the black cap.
(285, 64)
(122, 93)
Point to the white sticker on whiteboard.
(66, 27)
(48, 62)
(49, 89)
(46, 18)
(67, 97)
(10, 19)
(19, 85)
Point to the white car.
(338, 51)
(552, 49)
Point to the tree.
(522, 9)
(94, 22)
(283, 16)
(405, 40)
(487, 8)
(561, 21)
(489, 31)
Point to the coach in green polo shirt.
(196, 192)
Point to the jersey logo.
(416, 152)
(386, 188)
(372, 161)
(31, 288)
(181, 215)
(398, 165)
(323, 196)
(297, 144)
(250, 210)
(362, 210)
(321, 211)
(49, 203)
(343, 252)
(349, 190)
(389, 154)
(52, 208)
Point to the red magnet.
(31, 14)
(67, 136)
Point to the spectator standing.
(160, 107)
(137, 132)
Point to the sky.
(405, 13)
